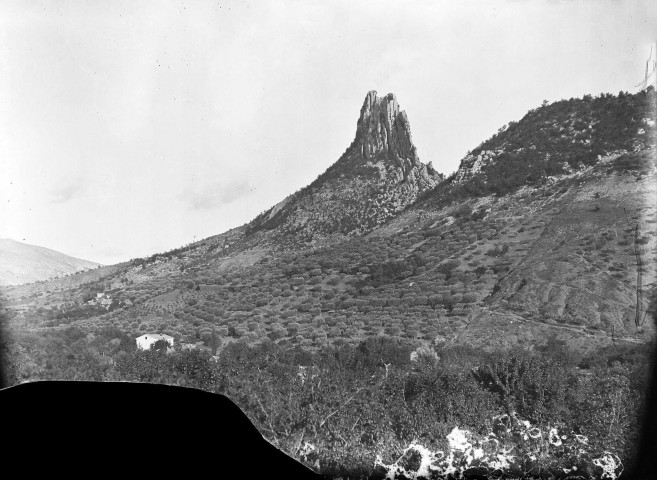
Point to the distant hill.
(24, 263)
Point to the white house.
(145, 341)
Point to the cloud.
(215, 195)
(66, 193)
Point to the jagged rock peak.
(383, 127)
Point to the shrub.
(367, 290)
(435, 300)
(421, 300)
(447, 267)
(469, 298)
(535, 387)
(393, 330)
(462, 211)
(498, 251)
(607, 409)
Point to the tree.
(535, 387)
(160, 346)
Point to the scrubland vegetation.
(352, 403)
(557, 138)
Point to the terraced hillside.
(556, 258)
(554, 255)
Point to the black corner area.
(115, 428)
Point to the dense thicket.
(354, 402)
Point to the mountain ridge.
(24, 263)
(561, 137)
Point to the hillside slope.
(378, 176)
(558, 138)
(24, 263)
(518, 286)
(552, 255)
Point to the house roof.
(156, 336)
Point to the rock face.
(382, 127)
(472, 165)
(379, 175)
(383, 130)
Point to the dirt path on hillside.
(581, 331)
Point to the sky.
(132, 128)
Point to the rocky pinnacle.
(384, 128)
(377, 176)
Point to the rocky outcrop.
(383, 127)
(383, 130)
(471, 165)
(379, 175)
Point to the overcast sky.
(130, 128)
